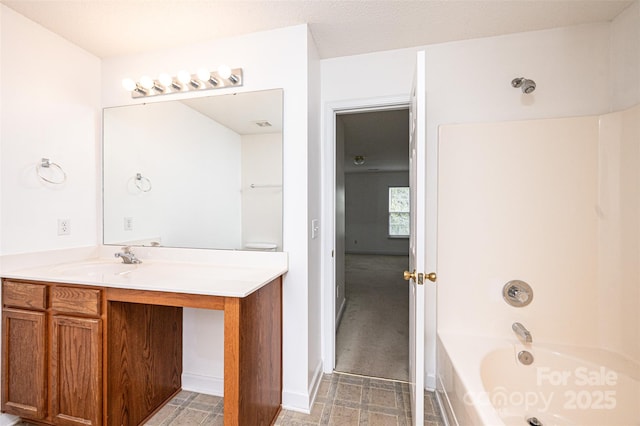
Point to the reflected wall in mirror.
(195, 173)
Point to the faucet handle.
(517, 293)
(126, 249)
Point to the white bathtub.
(481, 382)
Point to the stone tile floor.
(343, 400)
(355, 400)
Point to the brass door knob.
(431, 276)
(410, 275)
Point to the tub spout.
(522, 332)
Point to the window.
(399, 212)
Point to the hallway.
(373, 335)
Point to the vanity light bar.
(184, 82)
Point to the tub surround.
(146, 301)
(558, 208)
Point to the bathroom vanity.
(101, 343)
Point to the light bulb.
(165, 79)
(184, 77)
(203, 74)
(146, 82)
(224, 71)
(129, 84)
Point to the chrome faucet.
(127, 255)
(522, 332)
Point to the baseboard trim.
(202, 384)
(296, 402)
(315, 384)
(302, 403)
(430, 382)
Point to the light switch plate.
(315, 228)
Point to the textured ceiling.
(382, 137)
(118, 27)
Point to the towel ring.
(46, 164)
(143, 183)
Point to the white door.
(417, 246)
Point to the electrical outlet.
(64, 226)
(128, 224)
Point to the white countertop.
(215, 277)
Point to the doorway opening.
(372, 243)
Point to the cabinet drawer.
(24, 295)
(74, 300)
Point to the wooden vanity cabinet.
(102, 356)
(24, 358)
(24, 366)
(52, 353)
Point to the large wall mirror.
(197, 173)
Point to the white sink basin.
(95, 268)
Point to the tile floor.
(343, 400)
(355, 400)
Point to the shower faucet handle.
(517, 293)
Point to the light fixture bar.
(139, 91)
(196, 82)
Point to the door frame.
(328, 167)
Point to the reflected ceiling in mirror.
(195, 173)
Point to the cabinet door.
(24, 384)
(76, 371)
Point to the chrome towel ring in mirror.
(143, 183)
(46, 164)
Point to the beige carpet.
(373, 336)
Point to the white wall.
(262, 205)
(619, 233)
(50, 108)
(469, 81)
(625, 58)
(49, 103)
(264, 58)
(314, 190)
(2, 9)
(185, 159)
(516, 201)
(367, 213)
